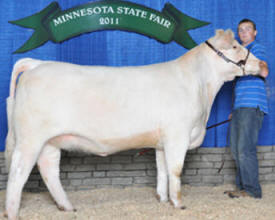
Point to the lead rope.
(223, 155)
(228, 130)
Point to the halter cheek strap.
(240, 63)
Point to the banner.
(56, 25)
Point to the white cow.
(104, 110)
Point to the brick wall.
(201, 168)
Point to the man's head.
(247, 31)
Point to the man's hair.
(247, 20)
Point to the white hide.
(104, 110)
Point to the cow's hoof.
(161, 199)
(182, 207)
(63, 209)
(5, 214)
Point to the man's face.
(247, 33)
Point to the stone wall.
(201, 168)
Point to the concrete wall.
(81, 171)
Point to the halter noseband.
(240, 64)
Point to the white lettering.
(132, 12)
(108, 21)
(110, 10)
(167, 24)
(97, 10)
(119, 10)
(152, 16)
(68, 16)
(63, 18)
(89, 11)
(126, 10)
(57, 21)
(76, 14)
(157, 19)
(143, 14)
(138, 11)
(104, 9)
(107, 10)
(83, 12)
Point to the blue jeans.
(244, 129)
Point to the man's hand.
(263, 69)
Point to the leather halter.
(240, 64)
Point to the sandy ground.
(140, 204)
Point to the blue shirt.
(250, 91)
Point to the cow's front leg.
(175, 151)
(48, 165)
(162, 176)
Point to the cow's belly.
(197, 136)
(104, 147)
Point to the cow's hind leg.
(175, 151)
(162, 176)
(48, 165)
(23, 160)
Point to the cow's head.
(232, 58)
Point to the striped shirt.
(250, 91)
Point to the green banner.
(56, 25)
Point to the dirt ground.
(141, 204)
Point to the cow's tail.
(20, 66)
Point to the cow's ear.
(230, 34)
(229, 38)
(226, 40)
(219, 32)
(223, 39)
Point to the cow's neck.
(206, 73)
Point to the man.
(250, 105)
